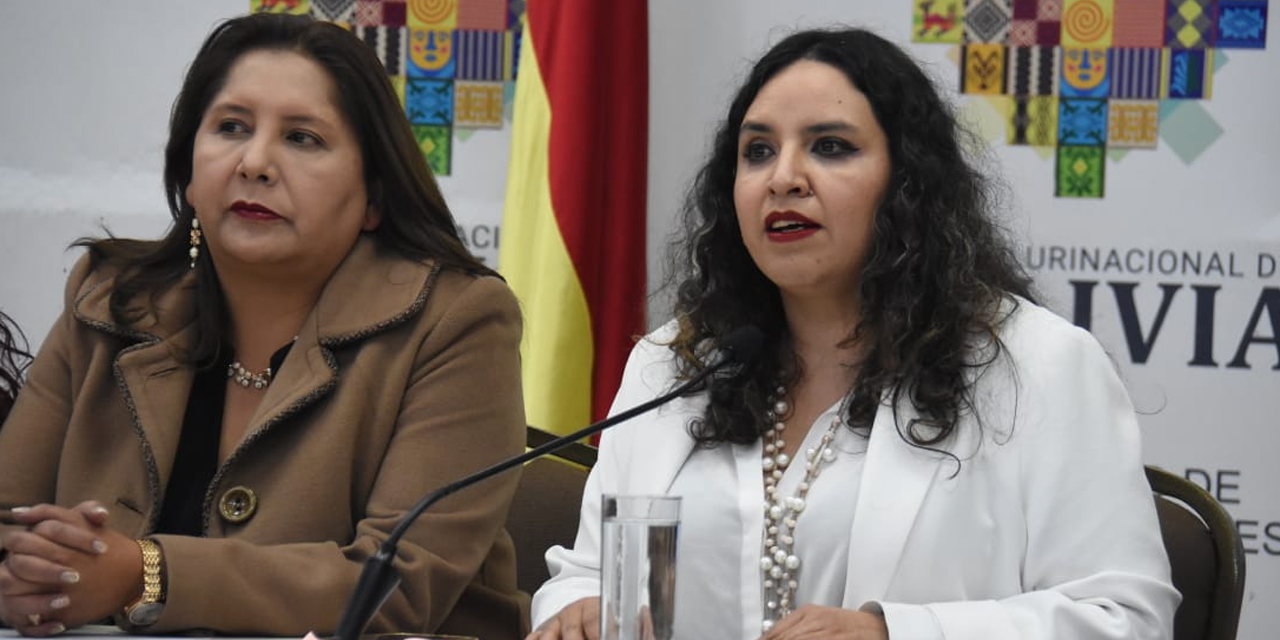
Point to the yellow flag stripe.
(557, 345)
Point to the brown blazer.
(404, 378)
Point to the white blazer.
(1045, 530)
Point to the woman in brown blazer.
(225, 422)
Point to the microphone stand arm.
(379, 577)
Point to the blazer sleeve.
(461, 411)
(32, 436)
(1094, 565)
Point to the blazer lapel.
(155, 389)
(895, 481)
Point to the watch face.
(146, 614)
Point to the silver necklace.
(779, 564)
(247, 378)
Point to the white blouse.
(722, 516)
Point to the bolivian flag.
(573, 228)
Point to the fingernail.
(70, 577)
(60, 602)
(19, 509)
(59, 628)
(99, 547)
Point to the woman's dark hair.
(14, 360)
(932, 291)
(416, 222)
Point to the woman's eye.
(833, 147)
(231, 126)
(756, 151)
(304, 138)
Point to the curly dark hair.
(938, 281)
(416, 222)
(14, 360)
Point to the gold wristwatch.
(147, 609)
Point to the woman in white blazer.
(921, 452)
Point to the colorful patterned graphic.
(987, 20)
(1080, 172)
(1242, 24)
(1087, 23)
(429, 101)
(483, 15)
(436, 143)
(1033, 71)
(334, 10)
(1133, 124)
(1135, 73)
(1139, 23)
(453, 69)
(937, 20)
(1034, 121)
(389, 43)
(477, 104)
(982, 71)
(430, 54)
(1085, 73)
(295, 7)
(440, 15)
(1189, 24)
(1082, 121)
(1090, 75)
(1190, 73)
(480, 55)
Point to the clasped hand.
(66, 569)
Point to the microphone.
(379, 577)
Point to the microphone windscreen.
(743, 345)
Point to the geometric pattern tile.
(433, 15)
(294, 7)
(1085, 73)
(937, 21)
(987, 21)
(1242, 24)
(1133, 124)
(1034, 121)
(390, 43)
(483, 15)
(429, 101)
(1080, 172)
(1082, 122)
(982, 69)
(1190, 73)
(1048, 23)
(477, 104)
(1135, 73)
(435, 142)
(1139, 23)
(1033, 71)
(479, 54)
(1189, 24)
(333, 10)
(1087, 23)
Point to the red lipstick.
(789, 226)
(253, 211)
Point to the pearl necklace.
(779, 564)
(247, 378)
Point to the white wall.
(87, 87)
